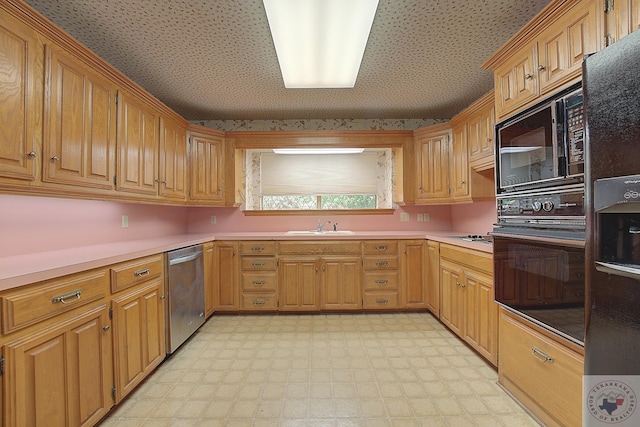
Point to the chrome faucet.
(320, 226)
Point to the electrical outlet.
(213, 219)
(425, 216)
(419, 217)
(404, 217)
(125, 221)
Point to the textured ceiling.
(214, 59)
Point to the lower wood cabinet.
(341, 283)
(298, 282)
(467, 303)
(432, 282)
(226, 296)
(541, 371)
(61, 374)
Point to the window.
(318, 181)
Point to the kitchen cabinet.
(382, 275)
(57, 351)
(467, 298)
(21, 85)
(137, 146)
(432, 284)
(545, 55)
(209, 279)
(79, 123)
(341, 283)
(299, 286)
(259, 279)
(173, 159)
(432, 151)
(225, 276)
(414, 267)
(542, 372)
(481, 133)
(207, 167)
(622, 18)
(138, 321)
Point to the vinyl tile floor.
(401, 369)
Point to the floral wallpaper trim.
(317, 124)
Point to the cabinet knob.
(528, 76)
(106, 328)
(540, 67)
(55, 158)
(32, 154)
(156, 180)
(462, 182)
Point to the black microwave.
(543, 146)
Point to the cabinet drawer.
(481, 261)
(258, 248)
(314, 247)
(134, 272)
(257, 301)
(259, 281)
(380, 247)
(381, 300)
(381, 263)
(258, 263)
(540, 371)
(27, 306)
(377, 281)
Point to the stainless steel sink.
(320, 233)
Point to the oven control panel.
(554, 209)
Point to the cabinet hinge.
(1, 365)
(115, 179)
(113, 392)
(608, 6)
(608, 40)
(116, 98)
(110, 312)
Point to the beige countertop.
(21, 270)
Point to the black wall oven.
(539, 258)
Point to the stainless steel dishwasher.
(185, 289)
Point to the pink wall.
(34, 224)
(233, 219)
(475, 218)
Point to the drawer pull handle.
(63, 298)
(382, 301)
(381, 263)
(540, 355)
(381, 248)
(382, 281)
(257, 248)
(258, 264)
(259, 302)
(143, 272)
(258, 283)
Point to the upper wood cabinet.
(173, 159)
(79, 123)
(481, 133)
(21, 89)
(622, 18)
(546, 54)
(207, 167)
(138, 127)
(432, 148)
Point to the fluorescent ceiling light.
(320, 43)
(512, 150)
(338, 150)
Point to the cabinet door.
(481, 317)
(137, 146)
(173, 159)
(481, 137)
(207, 168)
(21, 83)
(623, 18)
(433, 277)
(452, 303)
(61, 375)
(433, 167)
(516, 81)
(563, 46)
(209, 279)
(79, 123)
(414, 273)
(298, 284)
(342, 283)
(139, 339)
(459, 163)
(226, 269)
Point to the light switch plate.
(213, 219)
(125, 221)
(404, 217)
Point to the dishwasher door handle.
(187, 258)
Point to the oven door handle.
(538, 238)
(618, 269)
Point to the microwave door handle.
(557, 132)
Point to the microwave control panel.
(538, 205)
(574, 111)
